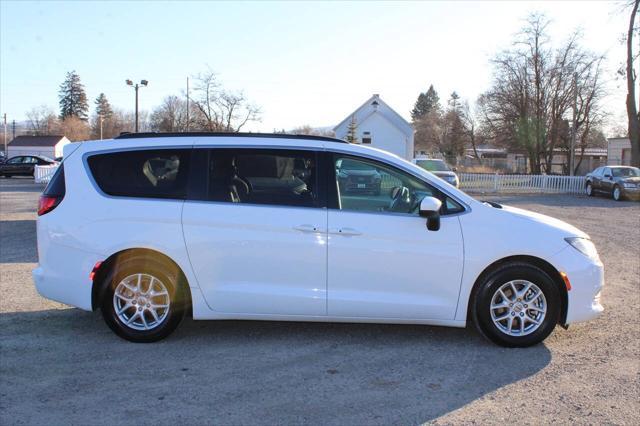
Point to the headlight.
(584, 246)
(629, 185)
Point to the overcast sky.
(302, 63)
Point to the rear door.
(255, 231)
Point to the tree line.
(210, 107)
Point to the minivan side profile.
(149, 227)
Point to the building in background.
(379, 126)
(48, 146)
(619, 151)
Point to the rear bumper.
(587, 282)
(63, 276)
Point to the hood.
(563, 227)
(634, 179)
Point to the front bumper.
(631, 192)
(587, 281)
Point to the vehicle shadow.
(66, 366)
(18, 241)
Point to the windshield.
(433, 165)
(625, 171)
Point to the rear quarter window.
(159, 173)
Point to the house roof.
(395, 118)
(48, 140)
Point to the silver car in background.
(438, 168)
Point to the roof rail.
(225, 134)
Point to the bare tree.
(41, 120)
(313, 131)
(170, 116)
(632, 108)
(75, 129)
(533, 92)
(221, 110)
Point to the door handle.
(347, 232)
(306, 228)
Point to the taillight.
(48, 203)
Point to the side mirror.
(430, 208)
(455, 169)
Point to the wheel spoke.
(123, 297)
(504, 296)
(144, 321)
(124, 308)
(154, 314)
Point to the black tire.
(616, 194)
(169, 275)
(589, 189)
(481, 313)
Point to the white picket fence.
(481, 182)
(43, 174)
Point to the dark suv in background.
(617, 181)
(357, 177)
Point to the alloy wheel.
(141, 302)
(518, 308)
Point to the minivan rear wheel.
(143, 301)
(518, 305)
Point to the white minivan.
(150, 227)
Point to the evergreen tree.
(352, 135)
(73, 99)
(103, 107)
(426, 102)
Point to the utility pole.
(101, 120)
(13, 128)
(574, 127)
(187, 104)
(143, 83)
(6, 153)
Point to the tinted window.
(369, 186)
(56, 186)
(160, 173)
(254, 176)
(15, 160)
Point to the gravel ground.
(64, 366)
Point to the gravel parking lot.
(64, 366)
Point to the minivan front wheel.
(517, 306)
(143, 301)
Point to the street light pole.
(6, 153)
(143, 83)
(101, 120)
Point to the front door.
(383, 262)
(256, 232)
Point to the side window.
(158, 173)
(369, 186)
(262, 176)
(15, 160)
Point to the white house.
(49, 146)
(380, 126)
(618, 151)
